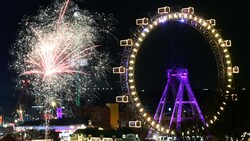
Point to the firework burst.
(56, 50)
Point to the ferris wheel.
(132, 45)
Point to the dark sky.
(231, 17)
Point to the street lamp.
(53, 104)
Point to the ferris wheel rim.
(142, 32)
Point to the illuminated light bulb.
(155, 23)
(141, 110)
(222, 108)
(131, 62)
(170, 16)
(185, 15)
(146, 30)
(200, 20)
(135, 50)
(143, 34)
(138, 104)
(135, 99)
(152, 123)
(207, 124)
(204, 24)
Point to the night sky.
(231, 18)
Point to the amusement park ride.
(182, 94)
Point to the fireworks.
(57, 51)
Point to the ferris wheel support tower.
(183, 97)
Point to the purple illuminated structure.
(185, 106)
(59, 113)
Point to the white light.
(131, 62)
(155, 23)
(152, 123)
(162, 19)
(175, 16)
(145, 30)
(204, 23)
(135, 99)
(138, 104)
(155, 136)
(215, 117)
(200, 20)
(170, 16)
(76, 14)
(143, 34)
